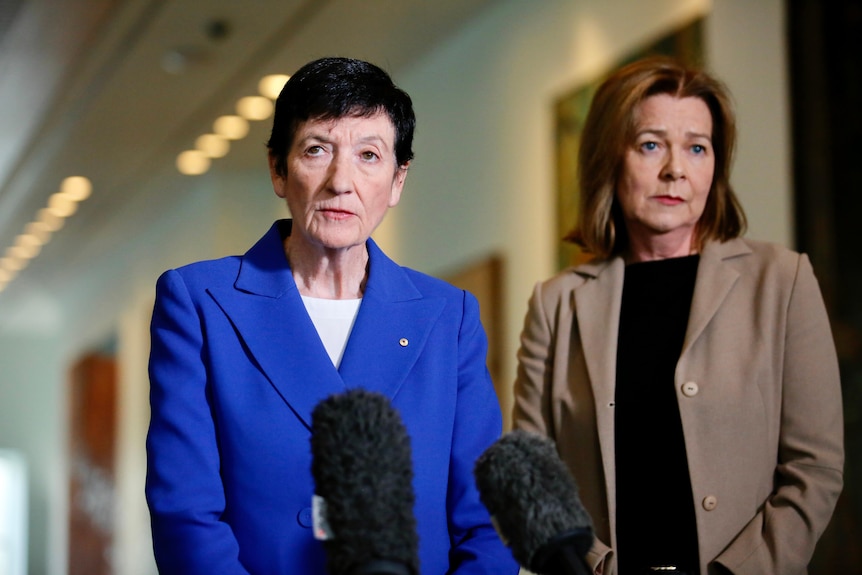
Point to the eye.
(649, 146)
(368, 155)
(698, 149)
(314, 150)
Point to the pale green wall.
(32, 418)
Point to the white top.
(333, 319)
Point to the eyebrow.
(662, 132)
(371, 138)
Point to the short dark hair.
(610, 128)
(332, 88)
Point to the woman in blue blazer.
(244, 348)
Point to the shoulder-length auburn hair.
(610, 129)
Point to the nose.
(672, 169)
(340, 176)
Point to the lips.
(335, 213)
(668, 200)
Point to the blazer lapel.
(598, 313)
(391, 329)
(714, 280)
(267, 312)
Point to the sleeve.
(476, 547)
(809, 471)
(532, 408)
(183, 486)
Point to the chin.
(341, 242)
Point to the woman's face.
(341, 180)
(667, 174)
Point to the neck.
(328, 273)
(660, 247)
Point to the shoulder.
(266, 255)
(199, 275)
(431, 285)
(756, 257)
(770, 270)
(571, 278)
(397, 282)
(458, 301)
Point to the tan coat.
(758, 390)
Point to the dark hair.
(610, 128)
(332, 88)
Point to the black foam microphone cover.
(362, 469)
(534, 503)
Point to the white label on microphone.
(320, 524)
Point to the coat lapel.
(267, 312)
(391, 329)
(713, 283)
(598, 311)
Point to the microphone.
(533, 502)
(363, 475)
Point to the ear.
(398, 184)
(278, 181)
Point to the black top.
(655, 509)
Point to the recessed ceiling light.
(50, 220)
(231, 127)
(61, 206)
(213, 145)
(254, 108)
(76, 188)
(39, 231)
(193, 163)
(270, 86)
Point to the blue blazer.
(236, 369)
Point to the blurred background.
(132, 140)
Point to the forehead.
(689, 111)
(376, 126)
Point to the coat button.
(690, 389)
(710, 502)
(304, 517)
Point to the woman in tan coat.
(687, 375)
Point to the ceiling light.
(61, 206)
(76, 188)
(254, 107)
(193, 162)
(213, 145)
(49, 219)
(40, 231)
(28, 240)
(12, 264)
(270, 86)
(231, 127)
(23, 252)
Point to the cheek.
(704, 184)
(628, 193)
